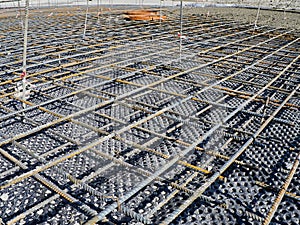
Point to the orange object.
(144, 15)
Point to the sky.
(95, 2)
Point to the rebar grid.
(119, 128)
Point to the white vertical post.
(110, 12)
(23, 76)
(98, 11)
(180, 35)
(20, 12)
(257, 15)
(86, 17)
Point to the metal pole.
(110, 11)
(180, 35)
(23, 75)
(98, 10)
(20, 12)
(86, 15)
(257, 15)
